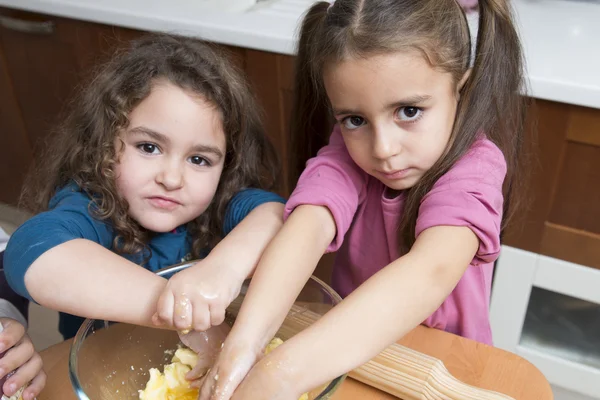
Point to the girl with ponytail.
(420, 160)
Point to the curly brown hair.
(82, 149)
(490, 99)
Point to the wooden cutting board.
(468, 361)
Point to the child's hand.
(231, 367)
(207, 345)
(268, 380)
(20, 357)
(197, 297)
(238, 376)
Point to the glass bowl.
(110, 361)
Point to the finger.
(217, 314)
(201, 316)
(200, 370)
(182, 314)
(24, 374)
(164, 308)
(12, 334)
(225, 385)
(197, 382)
(35, 387)
(16, 356)
(206, 389)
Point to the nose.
(170, 175)
(385, 144)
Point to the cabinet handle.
(34, 27)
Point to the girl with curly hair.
(160, 157)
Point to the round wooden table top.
(471, 362)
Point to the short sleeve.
(333, 180)
(69, 219)
(470, 195)
(243, 203)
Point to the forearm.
(243, 246)
(82, 278)
(378, 313)
(286, 265)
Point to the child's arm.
(379, 312)
(197, 297)
(382, 310)
(81, 277)
(286, 265)
(61, 259)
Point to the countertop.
(561, 37)
(468, 361)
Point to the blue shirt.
(69, 218)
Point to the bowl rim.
(87, 325)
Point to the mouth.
(397, 174)
(163, 202)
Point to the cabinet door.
(14, 144)
(562, 219)
(46, 58)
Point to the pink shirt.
(469, 194)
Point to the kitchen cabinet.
(46, 58)
(545, 301)
(43, 60)
(14, 142)
(562, 217)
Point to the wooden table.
(471, 362)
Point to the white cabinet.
(548, 311)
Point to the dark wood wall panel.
(576, 202)
(14, 143)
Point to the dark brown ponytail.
(311, 121)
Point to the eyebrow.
(408, 101)
(159, 137)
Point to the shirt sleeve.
(243, 203)
(333, 180)
(11, 304)
(68, 219)
(470, 195)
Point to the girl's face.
(395, 113)
(170, 158)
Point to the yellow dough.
(172, 385)
(16, 396)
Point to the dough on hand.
(172, 385)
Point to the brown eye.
(197, 160)
(149, 148)
(409, 113)
(353, 122)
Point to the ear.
(462, 82)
